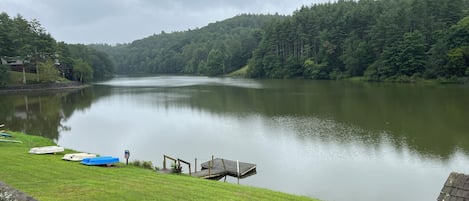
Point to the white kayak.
(46, 150)
(78, 156)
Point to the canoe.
(103, 160)
(78, 156)
(46, 150)
(4, 134)
(12, 141)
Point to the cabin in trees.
(456, 188)
(17, 64)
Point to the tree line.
(28, 42)
(215, 49)
(392, 40)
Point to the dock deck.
(222, 167)
(213, 169)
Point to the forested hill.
(379, 40)
(398, 40)
(215, 49)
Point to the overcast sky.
(121, 21)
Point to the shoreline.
(12, 89)
(68, 180)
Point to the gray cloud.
(118, 21)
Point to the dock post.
(195, 165)
(237, 169)
(209, 167)
(224, 167)
(179, 165)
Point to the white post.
(24, 76)
(237, 169)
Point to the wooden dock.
(214, 169)
(218, 168)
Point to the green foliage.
(19, 37)
(30, 42)
(82, 71)
(4, 74)
(175, 168)
(143, 164)
(402, 40)
(314, 70)
(216, 49)
(215, 63)
(47, 71)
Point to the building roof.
(456, 188)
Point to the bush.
(143, 164)
(147, 165)
(176, 168)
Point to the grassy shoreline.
(47, 177)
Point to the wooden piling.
(195, 165)
(237, 168)
(187, 163)
(170, 158)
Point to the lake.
(333, 140)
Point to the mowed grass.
(16, 78)
(239, 73)
(47, 177)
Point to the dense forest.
(26, 44)
(215, 49)
(393, 40)
(397, 40)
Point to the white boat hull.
(46, 150)
(78, 156)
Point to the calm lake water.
(332, 140)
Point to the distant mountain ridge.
(215, 49)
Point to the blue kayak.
(103, 160)
(5, 135)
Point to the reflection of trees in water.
(44, 113)
(34, 114)
(430, 120)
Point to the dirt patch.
(8, 193)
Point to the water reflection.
(43, 114)
(333, 140)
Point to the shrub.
(143, 164)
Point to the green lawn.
(16, 78)
(239, 73)
(47, 177)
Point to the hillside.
(215, 49)
(397, 40)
